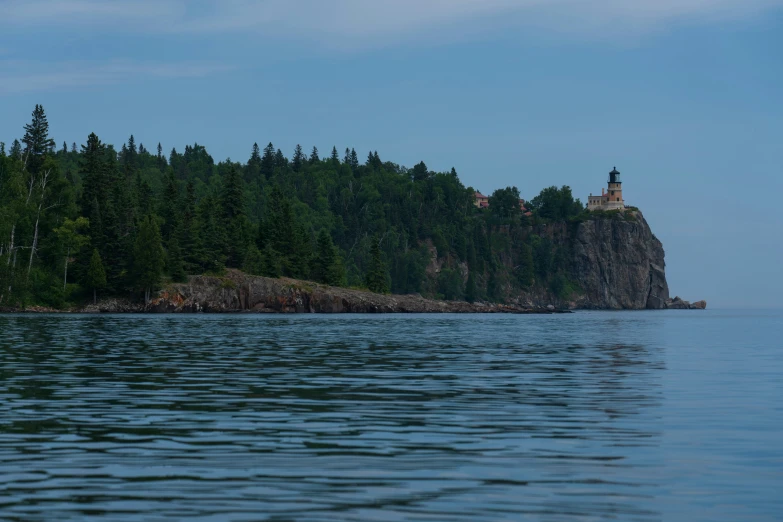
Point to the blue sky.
(684, 96)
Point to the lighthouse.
(611, 198)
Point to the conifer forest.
(82, 221)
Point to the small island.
(93, 228)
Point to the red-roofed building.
(482, 201)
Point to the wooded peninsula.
(81, 222)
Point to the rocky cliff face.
(619, 264)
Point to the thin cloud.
(14, 79)
(341, 21)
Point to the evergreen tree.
(2, 149)
(232, 202)
(470, 288)
(268, 162)
(148, 256)
(253, 263)
(280, 159)
(65, 148)
(526, 269)
(314, 156)
(16, 150)
(73, 148)
(335, 156)
(298, 159)
(376, 278)
(175, 262)
(347, 158)
(96, 275)
(131, 154)
(270, 262)
(93, 172)
(36, 139)
(354, 160)
(170, 207)
(327, 266)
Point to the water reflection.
(329, 418)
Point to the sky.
(685, 97)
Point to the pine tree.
(335, 156)
(190, 232)
(314, 156)
(93, 172)
(175, 263)
(2, 149)
(280, 159)
(96, 275)
(233, 206)
(354, 160)
(268, 161)
(73, 147)
(65, 148)
(253, 260)
(36, 139)
(526, 269)
(298, 159)
(376, 278)
(131, 154)
(270, 262)
(327, 265)
(470, 288)
(347, 158)
(16, 150)
(170, 207)
(148, 256)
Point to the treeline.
(81, 221)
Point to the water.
(591, 416)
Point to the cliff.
(619, 263)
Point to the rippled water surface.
(590, 416)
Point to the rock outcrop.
(239, 292)
(619, 264)
(679, 304)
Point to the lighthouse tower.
(615, 191)
(611, 199)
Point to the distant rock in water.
(679, 304)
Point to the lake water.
(674, 415)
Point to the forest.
(81, 222)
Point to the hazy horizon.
(682, 97)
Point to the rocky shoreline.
(237, 292)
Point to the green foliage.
(556, 204)
(175, 262)
(470, 288)
(377, 277)
(95, 279)
(327, 265)
(310, 217)
(148, 256)
(450, 284)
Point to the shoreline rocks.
(679, 304)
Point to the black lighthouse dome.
(614, 176)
